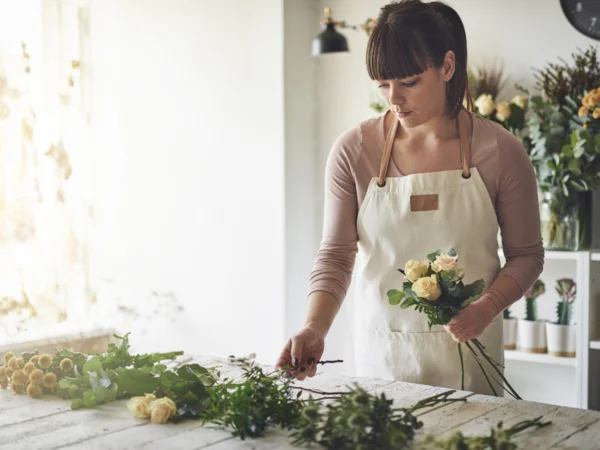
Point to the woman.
(426, 175)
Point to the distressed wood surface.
(49, 423)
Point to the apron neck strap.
(464, 135)
(387, 152)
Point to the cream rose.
(445, 262)
(414, 270)
(485, 104)
(520, 100)
(502, 111)
(140, 406)
(162, 409)
(427, 288)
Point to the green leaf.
(395, 296)
(158, 368)
(135, 382)
(431, 257)
(89, 399)
(93, 365)
(473, 290)
(77, 404)
(408, 303)
(452, 252)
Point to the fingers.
(285, 358)
(312, 364)
(297, 351)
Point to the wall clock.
(583, 15)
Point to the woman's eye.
(381, 86)
(411, 84)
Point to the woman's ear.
(448, 66)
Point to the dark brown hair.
(411, 36)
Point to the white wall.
(301, 179)
(189, 132)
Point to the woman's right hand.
(302, 352)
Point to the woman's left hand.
(471, 321)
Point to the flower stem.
(482, 368)
(435, 400)
(495, 365)
(518, 427)
(462, 367)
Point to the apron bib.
(406, 218)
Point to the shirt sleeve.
(332, 271)
(518, 213)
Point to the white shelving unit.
(535, 376)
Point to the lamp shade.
(329, 41)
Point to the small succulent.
(567, 290)
(538, 288)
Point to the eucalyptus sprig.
(359, 420)
(498, 438)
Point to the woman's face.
(417, 100)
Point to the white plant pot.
(532, 336)
(510, 334)
(561, 340)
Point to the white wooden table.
(49, 423)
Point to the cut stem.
(462, 367)
(482, 368)
(495, 365)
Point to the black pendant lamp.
(329, 40)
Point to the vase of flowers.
(531, 331)
(563, 143)
(561, 334)
(509, 325)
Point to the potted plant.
(561, 334)
(510, 331)
(563, 145)
(531, 331)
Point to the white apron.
(406, 218)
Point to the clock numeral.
(579, 7)
(593, 20)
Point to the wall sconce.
(330, 40)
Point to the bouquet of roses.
(435, 287)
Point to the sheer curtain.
(46, 184)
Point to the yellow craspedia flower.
(36, 377)
(596, 113)
(18, 377)
(4, 384)
(34, 390)
(15, 363)
(49, 380)
(3, 375)
(34, 359)
(583, 111)
(8, 356)
(17, 388)
(66, 365)
(29, 367)
(44, 361)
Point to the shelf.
(542, 358)
(566, 255)
(595, 345)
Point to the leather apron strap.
(464, 134)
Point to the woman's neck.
(438, 129)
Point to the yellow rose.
(583, 111)
(414, 270)
(435, 267)
(427, 288)
(502, 111)
(446, 262)
(140, 406)
(485, 104)
(520, 100)
(596, 113)
(162, 409)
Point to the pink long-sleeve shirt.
(508, 176)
